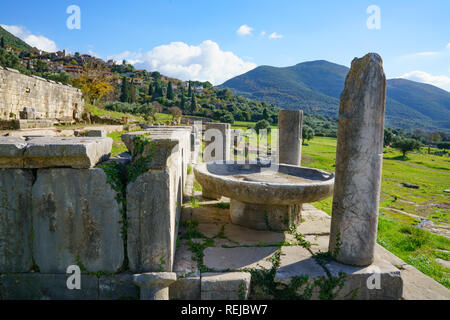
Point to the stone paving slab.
(296, 261)
(223, 259)
(183, 263)
(418, 286)
(314, 222)
(319, 243)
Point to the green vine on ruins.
(139, 162)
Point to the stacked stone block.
(154, 200)
(49, 99)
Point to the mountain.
(13, 41)
(316, 86)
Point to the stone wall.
(51, 100)
(59, 207)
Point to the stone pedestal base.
(155, 285)
(207, 194)
(265, 217)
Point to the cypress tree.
(170, 93)
(183, 102)
(125, 95)
(190, 90)
(193, 104)
(133, 93)
(150, 89)
(2, 43)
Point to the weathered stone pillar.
(359, 158)
(290, 136)
(218, 134)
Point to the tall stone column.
(359, 158)
(290, 136)
(218, 140)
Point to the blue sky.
(200, 39)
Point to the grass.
(118, 146)
(430, 172)
(100, 112)
(399, 205)
(416, 247)
(162, 117)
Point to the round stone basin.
(265, 197)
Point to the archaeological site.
(193, 211)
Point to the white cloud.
(130, 57)
(427, 53)
(275, 35)
(244, 30)
(421, 76)
(263, 33)
(40, 42)
(205, 62)
(422, 54)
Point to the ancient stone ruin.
(31, 97)
(157, 223)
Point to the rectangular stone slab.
(151, 222)
(44, 152)
(187, 288)
(222, 259)
(76, 218)
(38, 286)
(296, 261)
(118, 287)
(15, 220)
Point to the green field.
(399, 206)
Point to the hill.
(316, 86)
(13, 41)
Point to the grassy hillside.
(402, 208)
(316, 86)
(13, 41)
